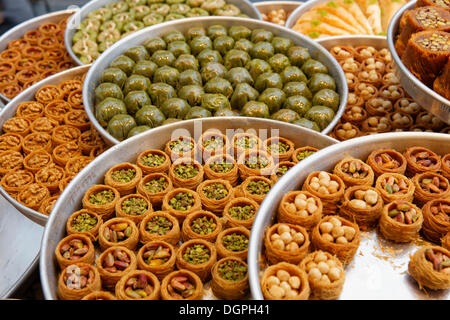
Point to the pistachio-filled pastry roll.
(326, 275)
(201, 224)
(420, 159)
(255, 188)
(198, 256)
(243, 142)
(134, 207)
(181, 147)
(240, 212)
(180, 202)
(363, 205)
(286, 242)
(338, 236)
(394, 186)
(99, 295)
(118, 232)
(114, 263)
(138, 285)
(85, 222)
(124, 177)
(328, 187)
(213, 142)
(435, 219)
(354, 172)
(222, 167)
(386, 161)
(154, 187)
(230, 279)
(101, 199)
(153, 161)
(280, 170)
(77, 280)
(400, 221)
(186, 173)
(296, 278)
(430, 267)
(300, 208)
(160, 226)
(302, 153)
(182, 285)
(255, 163)
(74, 248)
(158, 257)
(233, 241)
(279, 148)
(215, 194)
(430, 186)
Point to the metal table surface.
(20, 240)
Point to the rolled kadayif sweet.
(354, 172)
(296, 278)
(301, 208)
(230, 279)
(436, 222)
(430, 267)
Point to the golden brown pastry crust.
(254, 143)
(422, 270)
(245, 192)
(180, 214)
(104, 210)
(435, 219)
(252, 157)
(172, 236)
(163, 168)
(285, 156)
(66, 293)
(124, 188)
(154, 282)
(158, 270)
(295, 158)
(283, 214)
(130, 242)
(136, 218)
(403, 194)
(203, 270)
(191, 276)
(37, 160)
(428, 161)
(232, 176)
(87, 257)
(155, 198)
(222, 251)
(206, 152)
(293, 270)
(386, 161)
(185, 152)
(330, 202)
(422, 195)
(215, 205)
(99, 295)
(17, 180)
(190, 183)
(235, 222)
(350, 180)
(109, 279)
(187, 233)
(225, 289)
(274, 255)
(92, 233)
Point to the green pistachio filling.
(235, 242)
(84, 222)
(102, 197)
(153, 160)
(203, 225)
(278, 148)
(134, 206)
(159, 225)
(246, 142)
(304, 154)
(215, 191)
(156, 185)
(196, 254)
(282, 170)
(123, 175)
(244, 212)
(213, 143)
(258, 187)
(185, 171)
(232, 270)
(181, 146)
(182, 201)
(257, 162)
(221, 167)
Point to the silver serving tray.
(374, 273)
(316, 51)
(93, 173)
(20, 240)
(425, 96)
(246, 7)
(18, 31)
(10, 110)
(266, 6)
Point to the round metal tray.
(265, 7)
(10, 110)
(374, 274)
(425, 96)
(246, 7)
(19, 31)
(70, 199)
(316, 51)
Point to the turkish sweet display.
(35, 56)
(46, 143)
(165, 225)
(214, 71)
(317, 229)
(377, 102)
(423, 44)
(105, 26)
(347, 17)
